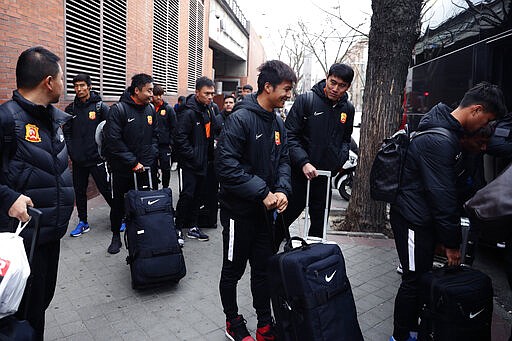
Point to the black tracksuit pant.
(246, 239)
(81, 181)
(209, 203)
(297, 203)
(163, 162)
(415, 247)
(187, 207)
(122, 182)
(44, 279)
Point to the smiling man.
(319, 128)
(253, 169)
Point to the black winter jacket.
(130, 135)
(39, 169)
(428, 192)
(319, 133)
(79, 132)
(191, 142)
(252, 158)
(167, 124)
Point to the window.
(165, 44)
(96, 44)
(195, 44)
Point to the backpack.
(99, 135)
(500, 143)
(8, 127)
(387, 167)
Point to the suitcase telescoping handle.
(35, 215)
(149, 176)
(326, 212)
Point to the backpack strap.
(309, 102)
(98, 107)
(437, 130)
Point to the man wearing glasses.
(319, 128)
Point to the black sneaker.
(236, 330)
(196, 233)
(115, 245)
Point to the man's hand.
(453, 256)
(270, 201)
(18, 210)
(309, 171)
(139, 168)
(282, 202)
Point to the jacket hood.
(440, 116)
(192, 104)
(250, 103)
(318, 89)
(43, 113)
(127, 98)
(94, 98)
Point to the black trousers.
(44, 279)
(209, 203)
(246, 239)
(81, 181)
(297, 203)
(415, 247)
(163, 162)
(187, 207)
(122, 182)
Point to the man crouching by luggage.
(426, 211)
(131, 144)
(253, 169)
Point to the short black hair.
(230, 96)
(34, 65)
(158, 90)
(247, 87)
(487, 95)
(138, 81)
(342, 71)
(181, 99)
(274, 72)
(83, 77)
(204, 81)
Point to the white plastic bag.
(14, 271)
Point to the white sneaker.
(399, 269)
(174, 166)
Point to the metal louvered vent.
(165, 44)
(96, 44)
(195, 44)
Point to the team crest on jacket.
(92, 115)
(343, 117)
(32, 133)
(150, 119)
(278, 138)
(162, 112)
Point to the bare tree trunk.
(394, 30)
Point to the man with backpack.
(35, 172)
(131, 143)
(319, 128)
(87, 111)
(426, 210)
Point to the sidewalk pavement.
(94, 299)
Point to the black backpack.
(386, 172)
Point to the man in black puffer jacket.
(253, 169)
(87, 110)
(319, 128)
(131, 143)
(35, 171)
(426, 211)
(194, 142)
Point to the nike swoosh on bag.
(152, 202)
(471, 315)
(329, 278)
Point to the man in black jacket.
(167, 125)
(319, 127)
(194, 138)
(131, 143)
(35, 171)
(229, 103)
(87, 110)
(253, 169)
(426, 211)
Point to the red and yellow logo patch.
(163, 112)
(343, 117)
(150, 119)
(277, 138)
(32, 133)
(92, 115)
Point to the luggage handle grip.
(305, 233)
(149, 177)
(289, 246)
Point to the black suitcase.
(154, 254)
(311, 294)
(457, 305)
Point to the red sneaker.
(236, 329)
(266, 333)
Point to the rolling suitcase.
(154, 254)
(311, 294)
(457, 305)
